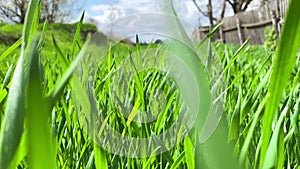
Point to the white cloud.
(186, 10)
(126, 7)
(99, 7)
(138, 6)
(105, 14)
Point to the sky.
(113, 16)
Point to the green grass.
(44, 104)
(63, 34)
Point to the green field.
(62, 89)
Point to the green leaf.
(12, 127)
(163, 148)
(209, 35)
(21, 152)
(272, 152)
(10, 49)
(100, 157)
(177, 162)
(284, 62)
(77, 38)
(39, 135)
(60, 86)
(7, 76)
(216, 152)
(62, 56)
(31, 21)
(189, 152)
(250, 134)
(15, 110)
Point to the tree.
(52, 10)
(239, 5)
(210, 13)
(14, 10)
(212, 9)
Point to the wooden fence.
(250, 24)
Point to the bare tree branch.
(199, 9)
(246, 4)
(239, 5)
(210, 14)
(52, 10)
(223, 11)
(231, 3)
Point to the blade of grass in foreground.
(40, 147)
(30, 23)
(100, 157)
(12, 127)
(284, 63)
(189, 152)
(13, 124)
(216, 152)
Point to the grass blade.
(30, 23)
(100, 157)
(10, 49)
(12, 127)
(60, 86)
(189, 152)
(272, 152)
(284, 62)
(14, 119)
(77, 35)
(7, 76)
(37, 117)
(62, 56)
(178, 161)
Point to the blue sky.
(100, 9)
(105, 12)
